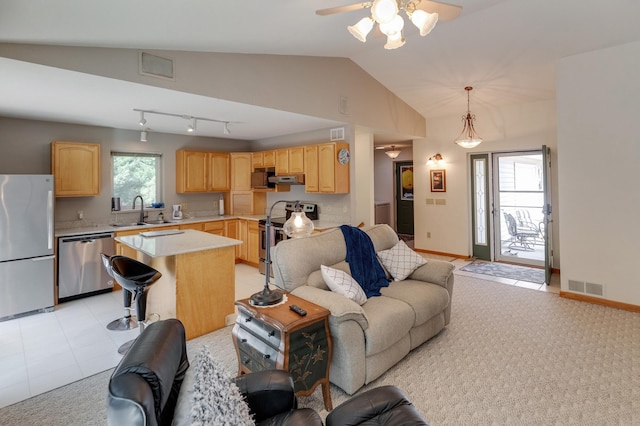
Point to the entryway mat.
(514, 272)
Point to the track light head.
(143, 136)
(226, 128)
(192, 126)
(142, 121)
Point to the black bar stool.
(127, 322)
(136, 277)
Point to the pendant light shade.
(361, 29)
(424, 21)
(468, 137)
(383, 11)
(393, 152)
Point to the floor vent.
(576, 286)
(156, 66)
(337, 134)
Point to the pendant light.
(468, 137)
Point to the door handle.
(39, 259)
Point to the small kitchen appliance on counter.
(177, 212)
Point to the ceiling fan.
(424, 14)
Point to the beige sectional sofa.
(367, 339)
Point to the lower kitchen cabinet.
(253, 242)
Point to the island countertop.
(178, 242)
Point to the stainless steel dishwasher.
(80, 270)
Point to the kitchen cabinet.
(216, 228)
(269, 158)
(257, 160)
(199, 171)
(248, 202)
(242, 235)
(311, 168)
(76, 168)
(333, 176)
(195, 226)
(231, 231)
(282, 162)
(241, 167)
(253, 242)
(290, 161)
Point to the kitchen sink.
(156, 222)
(122, 225)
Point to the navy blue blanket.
(363, 262)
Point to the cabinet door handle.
(266, 356)
(248, 319)
(272, 333)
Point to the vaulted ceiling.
(506, 49)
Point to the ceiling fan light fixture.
(468, 137)
(394, 41)
(383, 11)
(393, 27)
(361, 29)
(424, 21)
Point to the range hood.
(290, 180)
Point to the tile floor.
(48, 350)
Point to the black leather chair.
(127, 322)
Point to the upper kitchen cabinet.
(333, 168)
(76, 168)
(241, 167)
(289, 161)
(198, 171)
(311, 168)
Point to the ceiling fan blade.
(446, 12)
(340, 9)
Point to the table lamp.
(297, 226)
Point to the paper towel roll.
(221, 207)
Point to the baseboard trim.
(441, 253)
(598, 301)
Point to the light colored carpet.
(511, 356)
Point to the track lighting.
(191, 127)
(143, 136)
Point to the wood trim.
(598, 301)
(441, 253)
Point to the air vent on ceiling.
(155, 66)
(337, 134)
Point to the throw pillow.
(216, 398)
(400, 260)
(342, 283)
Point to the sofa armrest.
(434, 271)
(341, 308)
(268, 393)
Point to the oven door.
(277, 235)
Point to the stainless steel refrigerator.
(26, 244)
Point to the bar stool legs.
(127, 322)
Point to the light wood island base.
(197, 284)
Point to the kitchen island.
(198, 276)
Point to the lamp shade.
(394, 41)
(424, 21)
(361, 29)
(298, 225)
(383, 11)
(393, 27)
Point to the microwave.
(260, 180)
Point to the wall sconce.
(435, 160)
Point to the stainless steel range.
(277, 231)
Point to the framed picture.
(438, 181)
(406, 175)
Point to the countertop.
(187, 241)
(320, 225)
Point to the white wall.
(518, 127)
(599, 156)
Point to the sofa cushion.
(400, 260)
(216, 398)
(342, 283)
(426, 300)
(389, 321)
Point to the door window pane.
(480, 201)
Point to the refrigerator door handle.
(39, 259)
(50, 219)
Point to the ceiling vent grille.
(156, 66)
(337, 134)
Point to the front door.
(404, 197)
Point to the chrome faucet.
(141, 220)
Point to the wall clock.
(343, 156)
